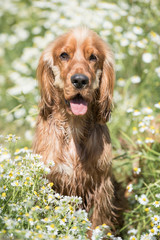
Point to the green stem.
(128, 138)
(151, 150)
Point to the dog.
(76, 77)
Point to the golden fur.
(79, 145)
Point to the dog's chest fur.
(81, 155)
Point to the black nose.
(79, 80)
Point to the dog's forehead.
(86, 38)
(80, 35)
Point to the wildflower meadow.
(29, 207)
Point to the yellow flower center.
(47, 207)
(153, 34)
(151, 224)
(74, 227)
(4, 194)
(40, 235)
(51, 184)
(52, 225)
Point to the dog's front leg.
(104, 210)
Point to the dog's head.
(77, 70)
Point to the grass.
(26, 198)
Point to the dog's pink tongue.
(78, 106)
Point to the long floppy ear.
(106, 87)
(46, 78)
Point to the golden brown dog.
(76, 76)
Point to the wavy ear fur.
(106, 87)
(46, 78)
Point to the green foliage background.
(132, 29)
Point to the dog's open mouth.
(78, 105)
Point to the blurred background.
(131, 28)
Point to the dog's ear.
(45, 77)
(106, 87)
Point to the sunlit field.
(29, 207)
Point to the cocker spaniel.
(76, 76)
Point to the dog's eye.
(64, 56)
(93, 58)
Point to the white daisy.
(137, 170)
(149, 140)
(133, 238)
(149, 117)
(130, 188)
(133, 231)
(157, 70)
(137, 30)
(139, 141)
(153, 231)
(143, 128)
(142, 43)
(155, 219)
(147, 57)
(124, 42)
(136, 113)
(134, 130)
(158, 195)
(156, 204)
(155, 37)
(121, 82)
(157, 105)
(143, 200)
(129, 110)
(152, 129)
(147, 110)
(147, 237)
(141, 124)
(135, 79)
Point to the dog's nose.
(79, 80)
